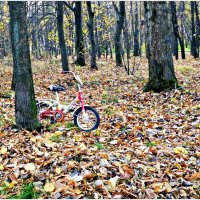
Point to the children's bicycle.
(85, 117)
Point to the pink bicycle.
(85, 117)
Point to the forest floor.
(147, 145)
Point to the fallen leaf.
(12, 184)
(1, 167)
(78, 178)
(112, 183)
(33, 139)
(57, 133)
(158, 187)
(180, 150)
(30, 167)
(168, 187)
(128, 169)
(98, 183)
(114, 142)
(58, 170)
(150, 194)
(3, 150)
(104, 155)
(195, 176)
(49, 187)
(78, 137)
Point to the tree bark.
(198, 27)
(182, 9)
(193, 42)
(136, 32)
(25, 105)
(93, 63)
(64, 58)
(126, 37)
(79, 46)
(119, 27)
(161, 68)
(175, 29)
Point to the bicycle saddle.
(56, 88)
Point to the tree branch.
(115, 7)
(69, 6)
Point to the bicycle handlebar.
(70, 72)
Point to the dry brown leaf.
(195, 176)
(104, 155)
(158, 187)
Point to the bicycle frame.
(78, 98)
(80, 93)
(66, 108)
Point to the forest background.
(139, 62)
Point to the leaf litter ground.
(147, 145)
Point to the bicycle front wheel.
(88, 122)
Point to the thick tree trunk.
(175, 29)
(80, 60)
(25, 105)
(120, 22)
(136, 32)
(93, 63)
(65, 66)
(161, 68)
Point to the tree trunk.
(120, 22)
(25, 105)
(136, 32)
(93, 63)
(198, 27)
(193, 43)
(79, 46)
(175, 28)
(65, 66)
(110, 48)
(126, 38)
(161, 68)
(132, 25)
(175, 46)
(147, 29)
(182, 9)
